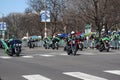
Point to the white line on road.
(27, 56)
(116, 72)
(64, 54)
(46, 55)
(86, 53)
(5, 57)
(83, 76)
(35, 77)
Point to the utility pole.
(45, 34)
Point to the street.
(48, 64)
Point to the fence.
(89, 43)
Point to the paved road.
(41, 64)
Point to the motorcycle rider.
(55, 41)
(9, 41)
(73, 36)
(46, 42)
(11, 44)
(31, 43)
(104, 42)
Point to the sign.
(88, 28)
(45, 16)
(3, 26)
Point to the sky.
(11, 6)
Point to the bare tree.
(54, 6)
(66, 15)
(100, 13)
(13, 21)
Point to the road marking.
(47, 55)
(64, 54)
(116, 72)
(35, 77)
(83, 76)
(87, 53)
(5, 57)
(27, 56)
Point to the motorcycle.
(80, 44)
(14, 47)
(46, 44)
(104, 44)
(71, 47)
(55, 45)
(31, 44)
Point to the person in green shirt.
(9, 41)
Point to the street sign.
(45, 16)
(3, 26)
(88, 28)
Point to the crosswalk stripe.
(116, 72)
(35, 77)
(83, 76)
